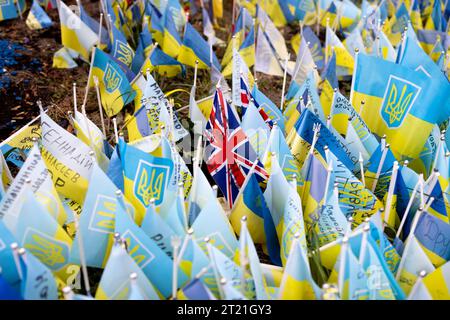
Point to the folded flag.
(62, 59)
(115, 283)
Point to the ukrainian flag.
(436, 20)
(121, 50)
(145, 177)
(396, 25)
(437, 251)
(196, 48)
(252, 205)
(37, 18)
(8, 10)
(156, 25)
(115, 89)
(75, 34)
(330, 83)
(171, 41)
(164, 64)
(416, 18)
(396, 99)
(306, 11)
(274, 11)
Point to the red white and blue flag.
(229, 153)
(246, 98)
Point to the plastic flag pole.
(15, 249)
(342, 265)
(363, 250)
(74, 88)
(328, 181)
(213, 261)
(284, 82)
(86, 91)
(175, 241)
(81, 250)
(380, 166)
(100, 108)
(215, 189)
(387, 212)
(195, 76)
(361, 168)
(186, 240)
(247, 178)
(243, 256)
(100, 30)
(68, 293)
(116, 135)
(326, 42)
(199, 153)
(422, 275)
(408, 207)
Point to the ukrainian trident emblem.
(398, 99)
(150, 182)
(111, 78)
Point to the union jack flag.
(246, 97)
(229, 153)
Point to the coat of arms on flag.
(399, 96)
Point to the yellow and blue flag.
(195, 290)
(115, 283)
(171, 39)
(414, 260)
(330, 83)
(428, 229)
(97, 221)
(75, 34)
(115, 89)
(436, 20)
(306, 11)
(154, 262)
(433, 286)
(38, 282)
(195, 48)
(397, 98)
(145, 177)
(120, 49)
(37, 18)
(297, 282)
(8, 10)
(163, 64)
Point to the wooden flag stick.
(116, 134)
(100, 108)
(74, 88)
